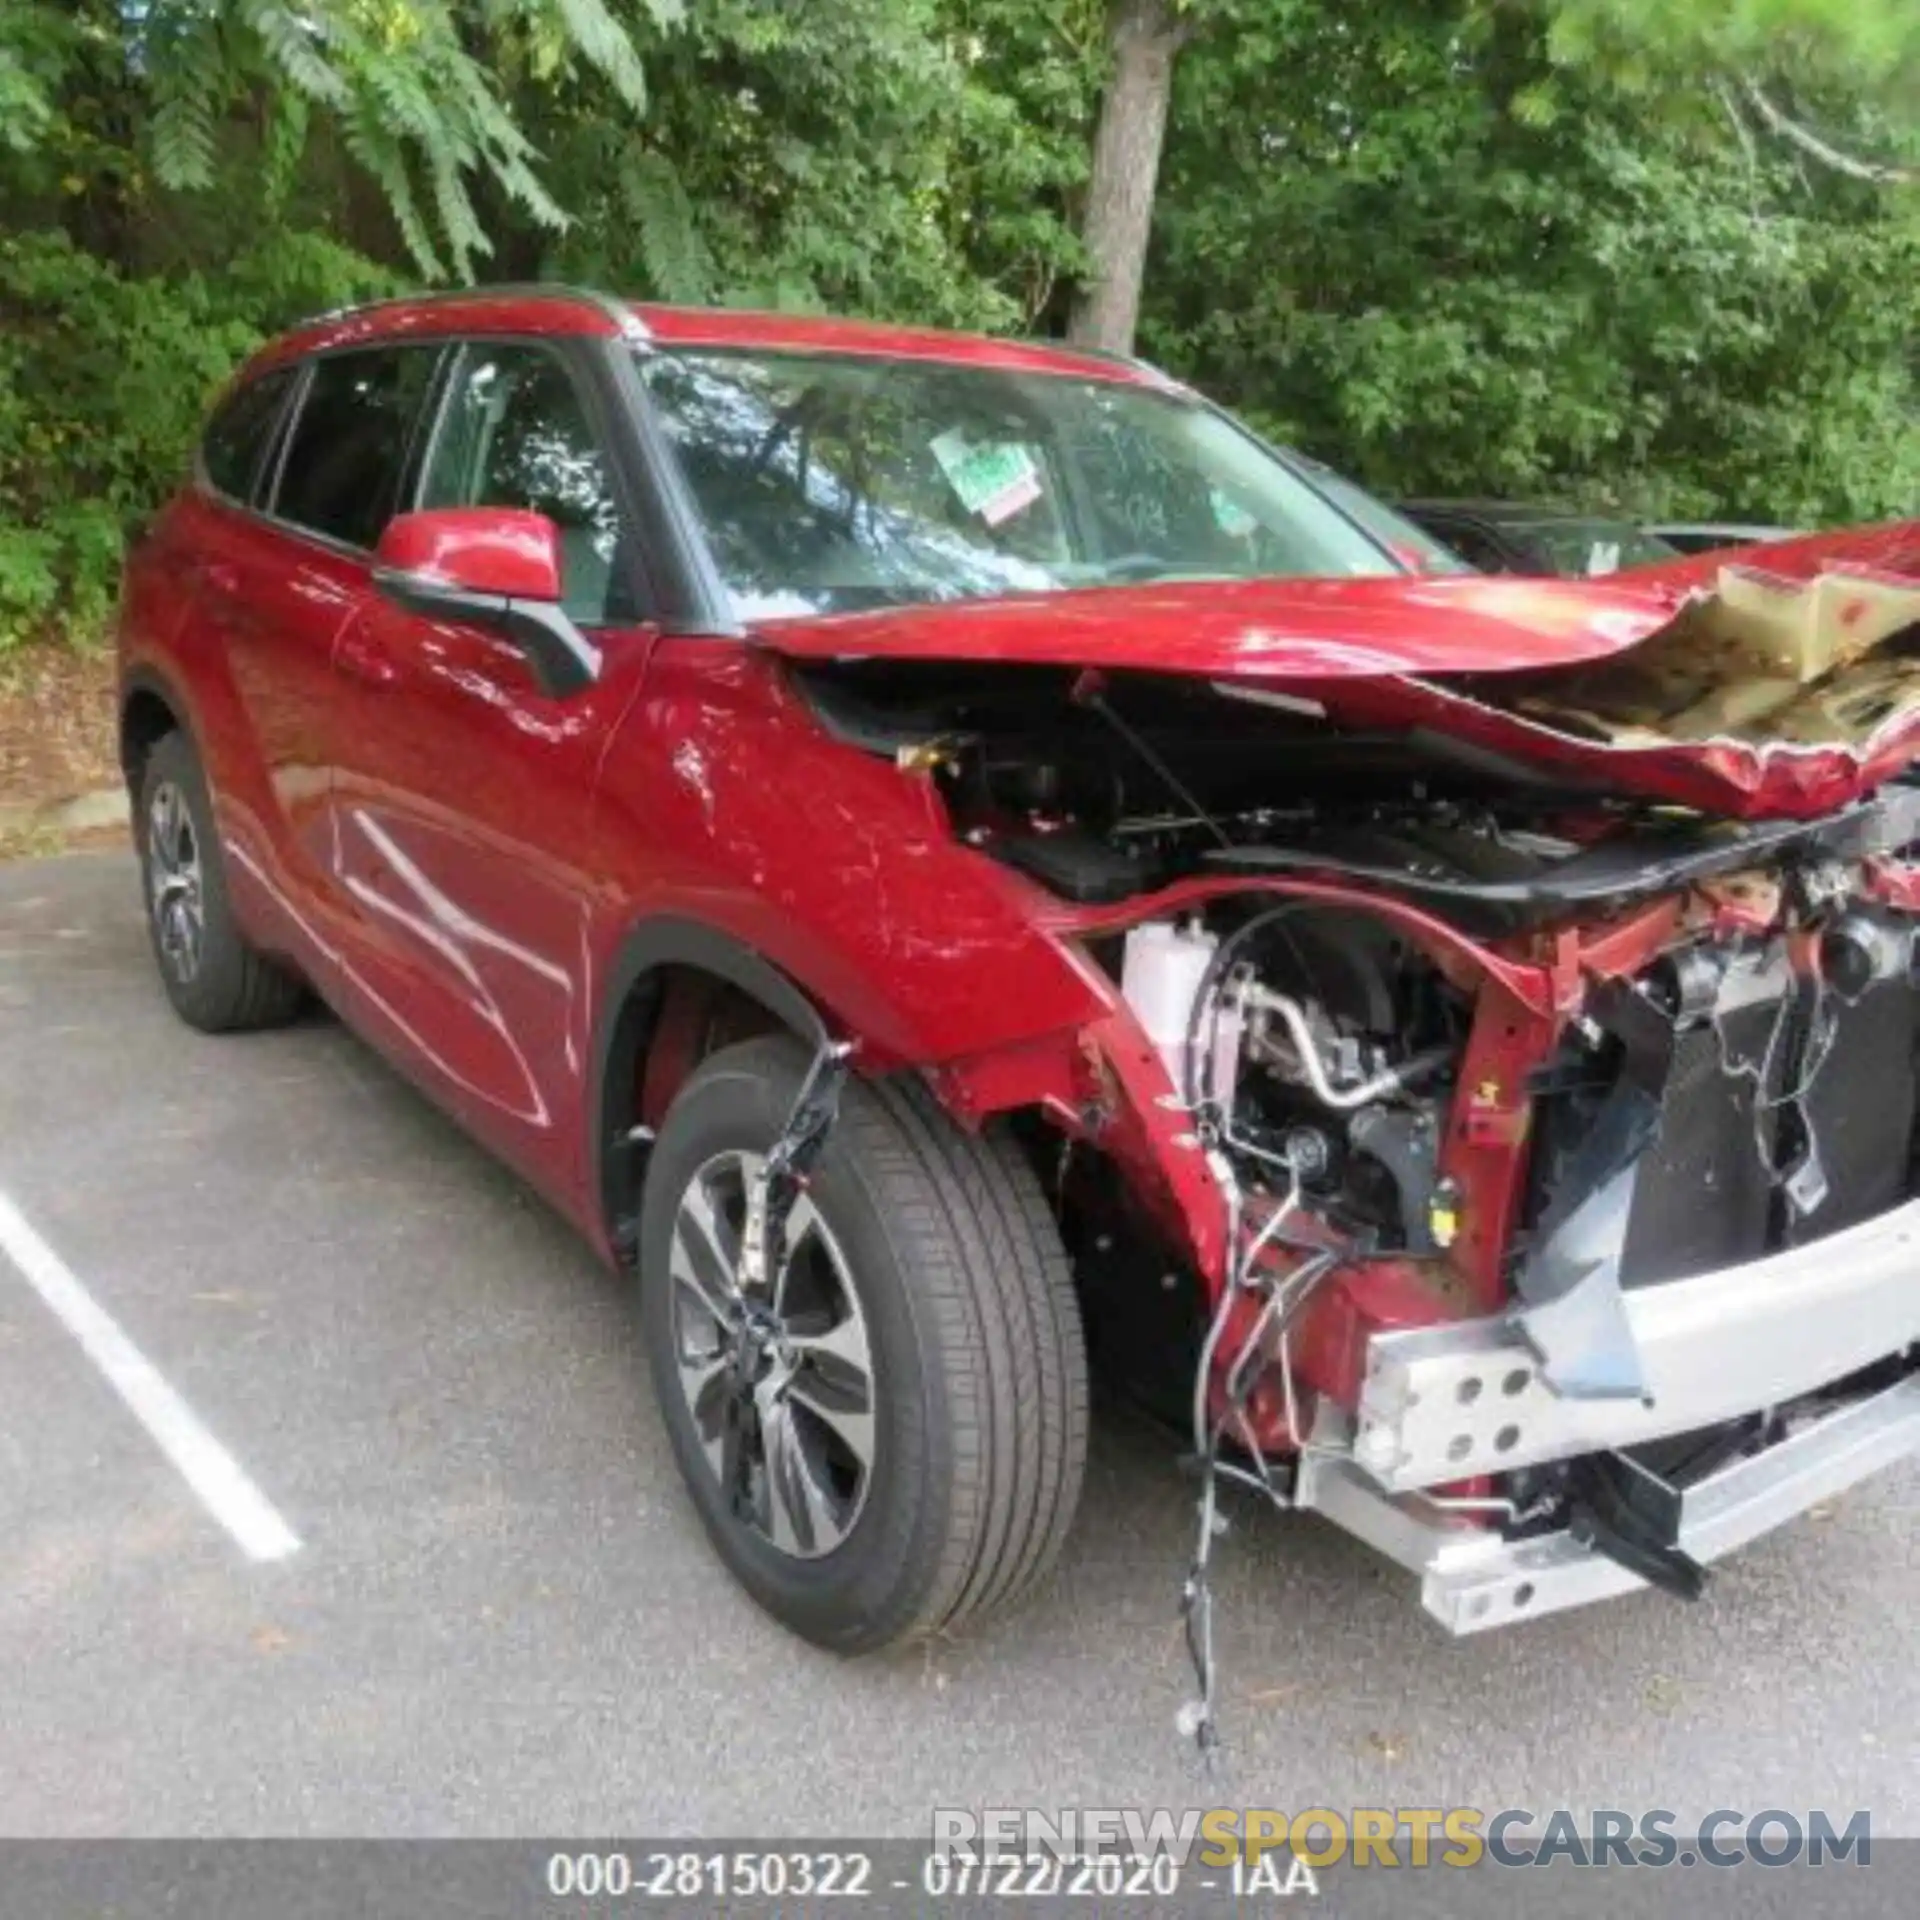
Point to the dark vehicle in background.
(1711, 536)
(1504, 536)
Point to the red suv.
(922, 846)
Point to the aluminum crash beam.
(1442, 1404)
(1472, 1580)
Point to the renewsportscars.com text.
(1412, 1836)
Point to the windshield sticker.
(1603, 557)
(993, 481)
(1229, 515)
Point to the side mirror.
(496, 567)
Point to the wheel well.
(674, 1015)
(145, 720)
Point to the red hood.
(1259, 629)
(1893, 548)
(1380, 652)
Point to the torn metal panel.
(1759, 660)
(1763, 696)
(1574, 1315)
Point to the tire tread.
(991, 1291)
(1025, 1327)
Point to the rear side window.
(241, 430)
(343, 466)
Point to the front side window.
(237, 437)
(830, 483)
(342, 471)
(514, 433)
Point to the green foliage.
(410, 87)
(1873, 46)
(1547, 247)
(104, 379)
(135, 142)
(906, 157)
(1829, 80)
(1427, 250)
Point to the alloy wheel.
(175, 891)
(778, 1376)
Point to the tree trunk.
(1126, 165)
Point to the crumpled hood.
(1259, 629)
(1778, 681)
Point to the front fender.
(722, 803)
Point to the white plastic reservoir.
(1160, 979)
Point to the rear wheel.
(214, 979)
(888, 1436)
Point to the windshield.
(828, 485)
(1407, 542)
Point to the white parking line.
(207, 1467)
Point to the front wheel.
(887, 1435)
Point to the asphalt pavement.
(502, 1617)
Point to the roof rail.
(622, 315)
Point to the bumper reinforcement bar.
(1472, 1579)
(1445, 1403)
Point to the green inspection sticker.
(995, 480)
(1229, 515)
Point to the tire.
(214, 979)
(977, 1379)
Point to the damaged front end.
(1502, 1137)
(1569, 1255)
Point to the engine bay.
(1102, 787)
(1320, 1047)
(1320, 1053)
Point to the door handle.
(361, 659)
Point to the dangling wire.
(1196, 1610)
(1822, 1025)
(1283, 1300)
